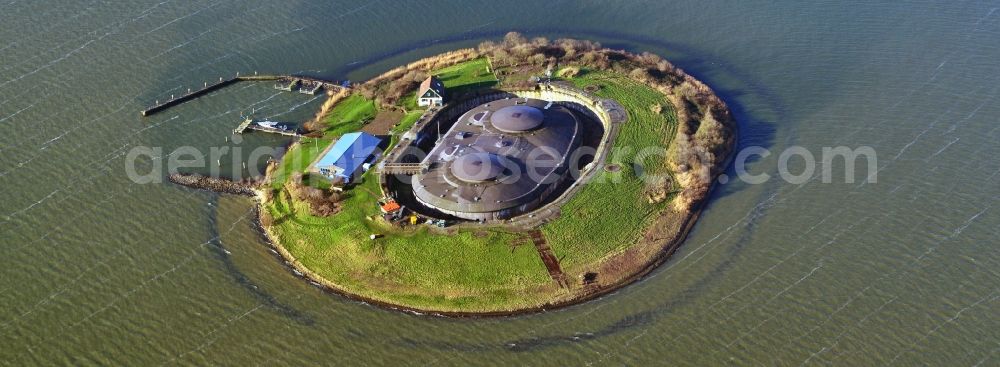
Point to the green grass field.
(404, 124)
(423, 268)
(469, 74)
(297, 159)
(470, 270)
(609, 214)
(349, 115)
(466, 76)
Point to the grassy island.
(610, 232)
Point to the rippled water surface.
(96, 269)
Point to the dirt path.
(548, 258)
(383, 123)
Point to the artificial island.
(517, 176)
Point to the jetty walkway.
(268, 127)
(313, 86)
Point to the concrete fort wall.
(607, 112)
(579, 101)
(570, 97)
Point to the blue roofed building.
(349, 157)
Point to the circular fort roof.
(517, 118)
(478, 171)
(478, 167)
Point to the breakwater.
(245, 187)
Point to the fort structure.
(499, 159)
(496, 191)
(498, 155)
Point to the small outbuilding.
(431, 92)
(350, 156)
(390, 207)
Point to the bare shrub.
(313, 193)
(656, 108)
(686, 90)
(595, 59)
(648, 59)
(513, 39)
(321, 203)
(400, 87)
(266, 219)
(658, 190)
(324, 209)
(710, 131)
(487, 47)
(570, 72)
(640, 74)
(269, 169)
(537, 59)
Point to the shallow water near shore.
(99, 270)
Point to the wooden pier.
(315, 85)
(274, 131)
(243, 126)
(208, 88)
(250, 124)
(310, 88)
(286, 85)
